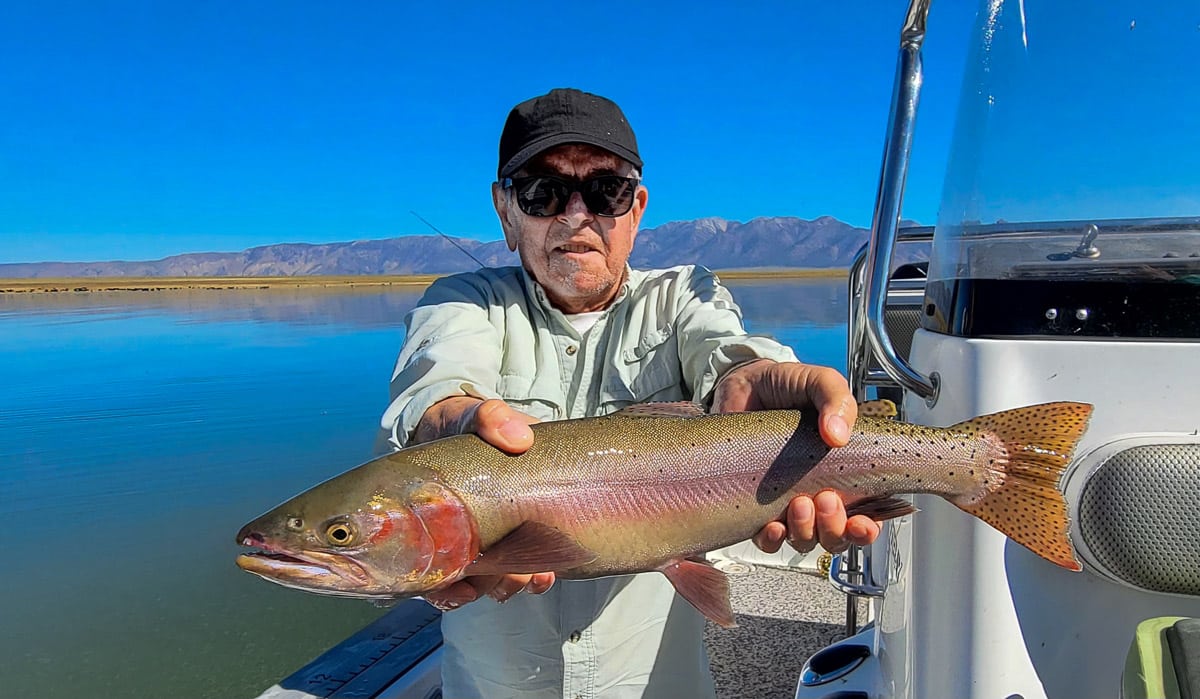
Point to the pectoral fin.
(705, 587)
(532, 547)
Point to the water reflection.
(138, 431)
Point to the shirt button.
(571, 349)
(575, 636)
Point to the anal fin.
(705, 587)
(880, 508)
(532, 547)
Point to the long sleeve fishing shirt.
(669, 335)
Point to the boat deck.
(783, 616)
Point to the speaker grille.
(1139, 514)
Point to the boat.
(1016, 306)
(1050, 275)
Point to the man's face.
(578, 257)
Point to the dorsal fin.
(683, 408)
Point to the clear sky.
(137, 130)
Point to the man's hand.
(507, 429)
(767, 385)
(498, 423)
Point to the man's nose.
(576, 214)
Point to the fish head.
(396, 537)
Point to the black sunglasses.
(543, 196)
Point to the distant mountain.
(713, 242)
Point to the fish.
(652, 487)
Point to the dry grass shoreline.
(89, 284)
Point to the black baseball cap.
(564, 115)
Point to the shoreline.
(144, 284)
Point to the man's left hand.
(769, 385)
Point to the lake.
(140, 430)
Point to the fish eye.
(295, 524)
(339, 534)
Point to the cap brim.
(514, 163)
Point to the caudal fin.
(1029, 506)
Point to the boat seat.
(1163, 660)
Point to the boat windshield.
(1076, 153)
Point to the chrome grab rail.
(839, 574)
(859, 355)
(884, 223)
(888, 199)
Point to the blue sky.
(136, 130)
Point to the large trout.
(652, 487)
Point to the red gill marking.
(385, 529)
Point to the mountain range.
(767, 242)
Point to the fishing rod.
(448, 238)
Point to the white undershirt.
(583, 322)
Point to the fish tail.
(1028, 506)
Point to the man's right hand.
(507, 429)
(498, 423)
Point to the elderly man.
(576, 332)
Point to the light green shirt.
(669, 335)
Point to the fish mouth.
(315, 571)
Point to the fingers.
(818, 520)
(452, 597)
(861, 530)
(737, 389)
(830, 395)
(539, 583)
(831, 521)
(771, 537)
(802, 523)
(499, 587)
(502, 426)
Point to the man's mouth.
(575, 248)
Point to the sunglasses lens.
(607, 195)
(542, 196)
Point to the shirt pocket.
(530, 397)
(649, 370)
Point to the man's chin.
(581, 290)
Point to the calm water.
(138, 432)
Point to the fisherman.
(575, 332)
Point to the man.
(576, 332)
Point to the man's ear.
(639, 207)
(505, 214)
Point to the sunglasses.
(607, 195)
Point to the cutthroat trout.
(652, 487)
